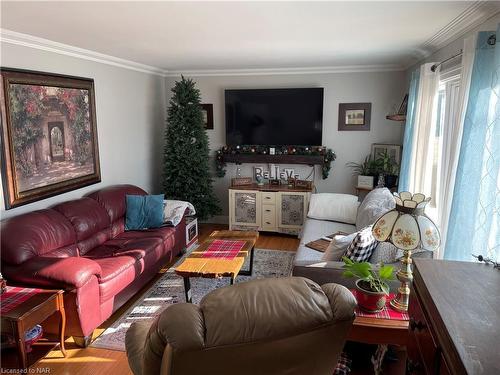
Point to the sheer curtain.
(424, 117)
(452, 138)
(474, 218)
(404, 172)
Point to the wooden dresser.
(454, 318)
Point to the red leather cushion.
(164, 233)
(36, 233)
(134, 248)
(117, 274)
(113, 199)
(87, 216)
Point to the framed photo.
(207, 111)
(354, 116)
(394, 151)
(49, 135)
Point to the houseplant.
(366, 172)
(372, 287)
(388, 168)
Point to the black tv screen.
(274, 117)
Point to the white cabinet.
(244, 209)
(271, 211)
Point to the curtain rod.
(491, 41)
(434, 67)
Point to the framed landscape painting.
(354, 116)
(49, 135)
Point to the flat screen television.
(274, 117)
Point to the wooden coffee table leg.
(187, 289)
(250, 267)
(62, 322)
(21, 346)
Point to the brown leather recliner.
(269, 326)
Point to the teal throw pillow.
(144, 212)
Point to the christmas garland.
(327, 153)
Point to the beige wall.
(130, 108)
(384, 90)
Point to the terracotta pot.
(369, 301)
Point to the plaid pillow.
(362, 246)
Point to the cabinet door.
(245, 208)
(292, 209)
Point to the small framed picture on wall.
(394, 151)
(354, 116)
(207, 111)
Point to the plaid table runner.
(386, 313)
(14, 296)
(226, 249)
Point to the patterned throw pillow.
(385, 252)
(362, 246)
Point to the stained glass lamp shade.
(407, 227)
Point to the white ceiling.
(181, 36)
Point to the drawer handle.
(268, 210)
(268, 223)
(416, 325)
(268, 197)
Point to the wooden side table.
(30, 312)
(373, 329)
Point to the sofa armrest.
(342, 301)
(322, 272)
(67, 273)
(180, 327)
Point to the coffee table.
(196, 265)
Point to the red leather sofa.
(81, 246)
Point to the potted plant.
(388, 168)
(364, 171)
(371, 286)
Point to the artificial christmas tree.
(186, 169)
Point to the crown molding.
(287, 71)
(20, 39)
(476, 14)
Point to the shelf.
(396, 117)
(274, 159)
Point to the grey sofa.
(308, 262)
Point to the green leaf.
(385, 272)
(362, 270)
(347, 261)
(347, 274)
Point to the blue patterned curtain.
(404, 171)
(474, 226)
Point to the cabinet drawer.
(421, 332)
(268, 197)
(268, 216)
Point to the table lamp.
(407, 227)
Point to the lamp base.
(400, 302)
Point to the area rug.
(169, 289)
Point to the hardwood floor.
(92, 360)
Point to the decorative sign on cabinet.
(268, 208)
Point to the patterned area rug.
(169, 289)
